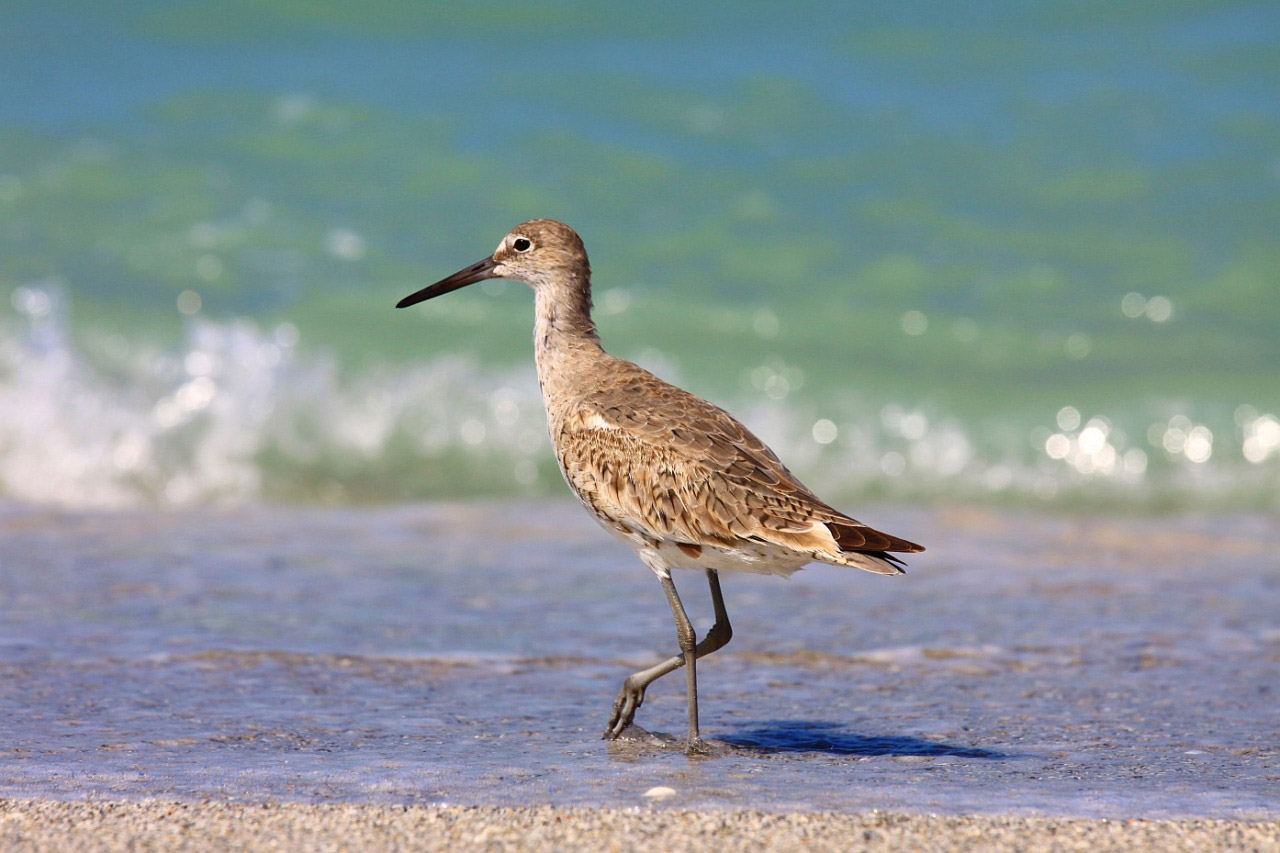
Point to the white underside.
(756, 558)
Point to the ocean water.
(469, 654)
(995, 254)
(956, 264)
(968, 269)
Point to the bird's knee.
(723, 632)
(718, 637)
(687, 638)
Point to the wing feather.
(654, 459)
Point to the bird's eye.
(521, 244)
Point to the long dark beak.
(470, 275)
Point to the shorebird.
(673, 476)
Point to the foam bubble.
(236, 414)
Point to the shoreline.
(467, 654)
(42, 824)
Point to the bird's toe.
(629, 700)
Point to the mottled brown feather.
(665, 470)
(655, 459)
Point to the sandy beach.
(153, 825)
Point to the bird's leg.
(631, 697)
(688, 640)
(721, 631)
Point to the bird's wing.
(655, 458)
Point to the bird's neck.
(564, 318)
(564, 335)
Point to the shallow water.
(470, 653)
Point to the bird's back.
(667, 470)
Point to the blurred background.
(1020, 254)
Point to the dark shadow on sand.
(820, 736)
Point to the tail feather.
(854, 536)
(871, 561)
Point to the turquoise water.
(990, 253)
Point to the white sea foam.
(238, 414)
(230, 417)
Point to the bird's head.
(540, 252)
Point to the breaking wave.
(239, 414)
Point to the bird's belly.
(660, 552)
(744, 556)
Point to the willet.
(678, 479)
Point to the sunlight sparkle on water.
(766, 324)
(199, 363)
(615, 300)
(1135, 461)
(506, 410)
(235, 394)
(1078, 346)
(1132, 305)
(345, 244)
(32, 301)
(1097, 449)
(914, 323)
(1068, 418)
(472, 431)
(913, 426)
(1092, 438)
(824, 431)
(1157, 309)
(776, 379)
(189, 302)
(1199, 444)
(209, 267)
(1261, 438)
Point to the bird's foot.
(695, 745)
(629, 700)
(711, 748)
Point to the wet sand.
(45, 825)
(1047, 678)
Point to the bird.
(677, 478)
